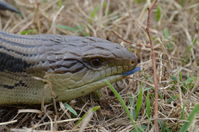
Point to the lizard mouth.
(113, 78)
(88, 88)
(116, 77)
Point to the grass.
(190, 119)
(175, 34)
(119, 98)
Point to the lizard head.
(83, 64)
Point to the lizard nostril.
(133, 62)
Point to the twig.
(153, 56)
(129, 42)
(115, 33)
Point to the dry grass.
(175, 36)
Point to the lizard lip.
(136, 69)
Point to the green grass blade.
(93, 109)
(93, 14)
(73, 29)
(123, 104)
(139, 103)
(59, 3)
(190, 119)
(158, 14)
(148, 105)
(69, 108)
(28, 31)
(117, 95)
(166, 33)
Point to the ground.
(175, 35)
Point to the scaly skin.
(39, 67)
(5, 6)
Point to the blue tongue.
(131, 71)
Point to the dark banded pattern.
(12, 64)
(17, 84)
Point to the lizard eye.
(96, 62)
